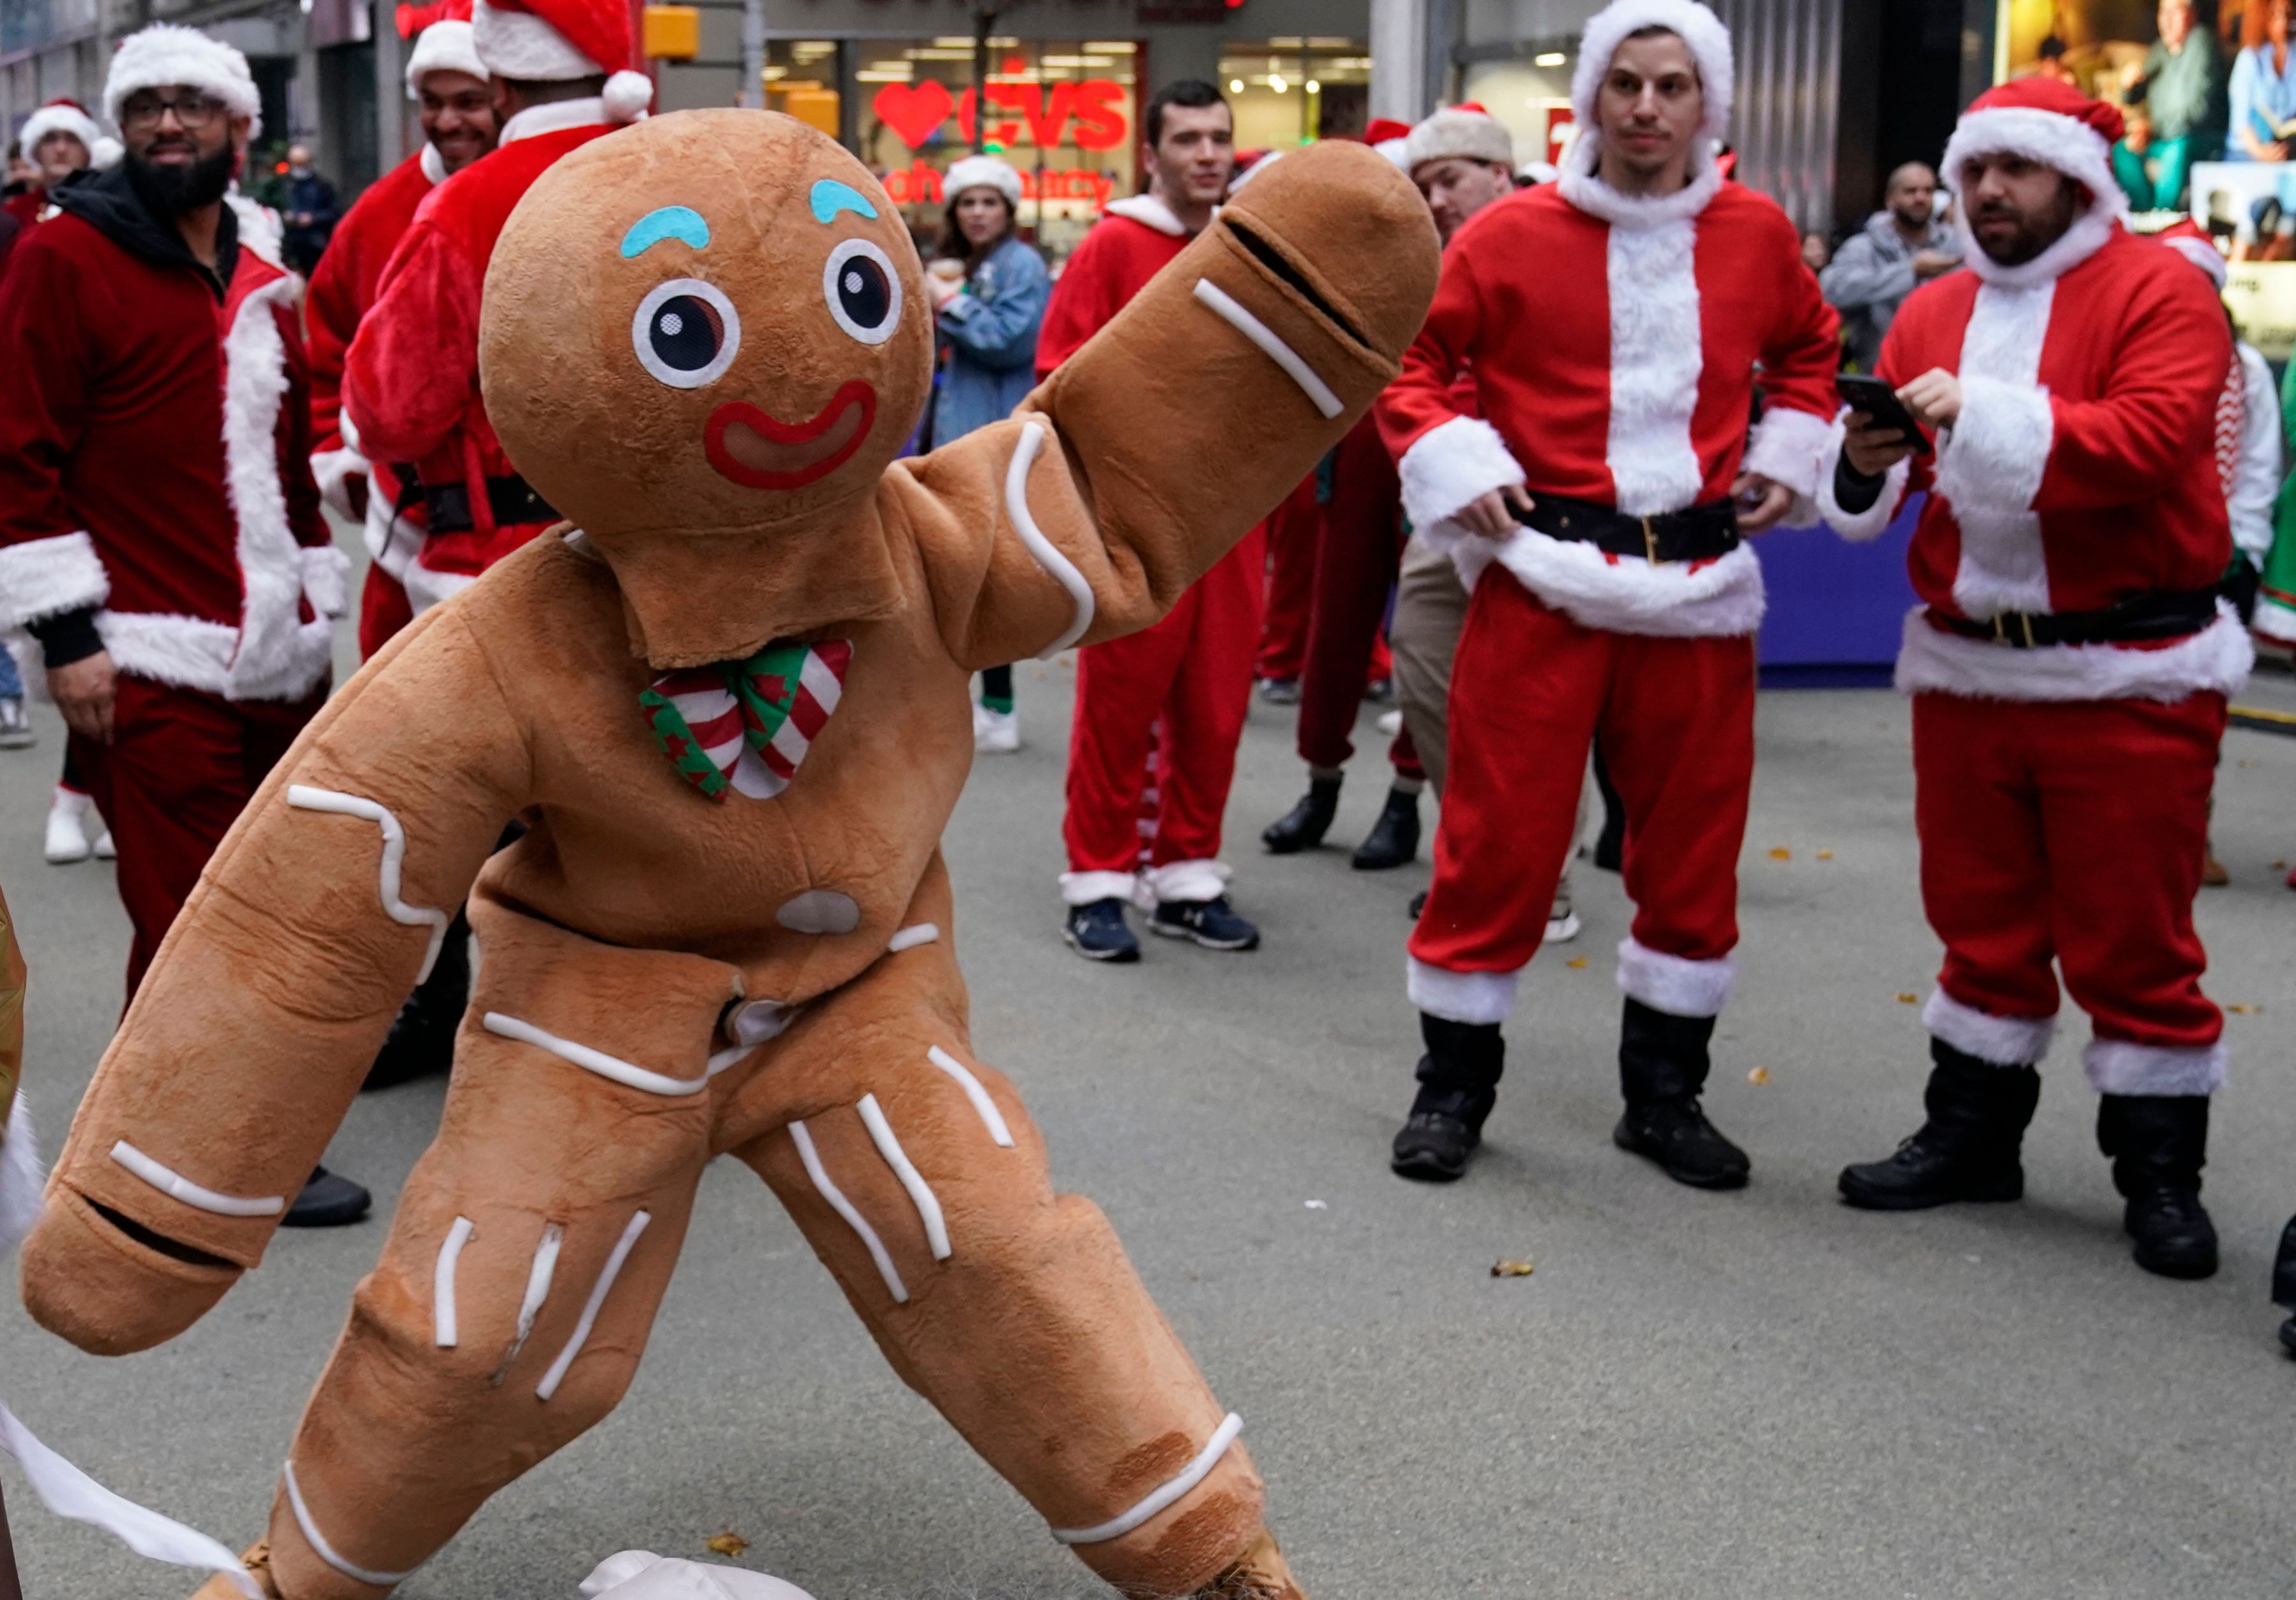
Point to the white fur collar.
(434, 165)
(1149, 211)
(1583, 189)
(554, 116)
(2091, 231)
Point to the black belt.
(1701, 533)
(511, 499)
(2166, 614)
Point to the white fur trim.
(2257, 468)
(1625, 594)
(2274, 622)
(275, 653)
(1996, 454)
(1696, 26)
(192, 652)
(589, 111)
(1165, 1495)
(426, 586)
(1452, 465)
(434, 168)
(2071, 148)
(164, 54)
(1656, 357)
(1678, 987)
(1149, 211)
(1476, 998)
(2203, 254)
(448, 47)
(1991, 462)
(1580, 187)
(333, 470)
(1791, 447)
(105, 153)
(45, 577)
(2001, 1041)
(981, 172)
(22, 1177)
(519, 43)
(2118, 1067)
(1191, 882)
(1085, 889)
(326, 571)
(1937, 662)
(58, 119)
(1862, 526)
(260, 230)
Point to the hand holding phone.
(1879, 401)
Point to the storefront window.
(1291, 91)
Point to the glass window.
(1291, 91)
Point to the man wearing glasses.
(160, 531)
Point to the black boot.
(1458, 1084)
(1304, 825)
(1966, 1149)
(2284, 1283)
(1662, 1063)
(1394, 838)
(421, 1043)
(2158, 1144)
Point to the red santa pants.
(1292, 531)
(1530, 691)
(1192, 673)
(181, 767)
(2072, 831)
(1357, 557)
(383, 609)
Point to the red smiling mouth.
(754, 450)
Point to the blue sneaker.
(1212, 923)
(1097, 932)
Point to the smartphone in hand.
(1878, 400)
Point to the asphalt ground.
(1760, 1394)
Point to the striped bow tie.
(748, 724)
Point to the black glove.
(2241, 583)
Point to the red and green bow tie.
(748, 724)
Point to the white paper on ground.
(642, 1575)
(70, 1492)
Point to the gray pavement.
(1762, 1394)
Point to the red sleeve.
(2157, 411)
(302, 492)
(1080, 305)
(43, 404)
(413, 367)
(1423, 397)
(1892, 368)
(1800, 353)
(330, 311)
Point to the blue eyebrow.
(830, 197)
(671, 222)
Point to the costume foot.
(67, 818)
(1259, 1574)
(1212, 923)
(330, 1200)
(1097, 932)
(2158, 1144)
(15, 726)
(224, 1587)
(1676, 1135)
(1280, 691)
(1967, 1149)
(1304, 825)
(1394, 838)
(995, 732)
(2213, 875)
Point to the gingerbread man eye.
(862, 291)
(686, 333)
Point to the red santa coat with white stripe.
(2082, 470)
(1613, 342)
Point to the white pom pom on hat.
(550, 41)
(628, 95)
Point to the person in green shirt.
(2177, 106)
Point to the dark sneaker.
(330, 1200)
(1280, 691)
(1097, 932)
(1212, 923)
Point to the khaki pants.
(1431, 609)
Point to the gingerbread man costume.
(730, 702)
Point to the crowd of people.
(1539, 546)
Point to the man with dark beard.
(160, 532)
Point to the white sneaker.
(1391, 723)
(68, 815)
(995, 733)
(1562, 923)
(15, 727)
(105, 850)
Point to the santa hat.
(982, 172)
(447, 46)
(163, 55)
(2189, 239)
(1468, 133)
(550, 41)
(1695, 26)
(60, 115)
(2046, 121)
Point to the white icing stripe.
(325, 1551)
(802, 1137)
(1048, 555)
(592, 1061)
(168, 1181)
(538, 1290)
(590, 1308)
(921, 1194)
(304, 798)
(1195, 1473)
(445, 1332)
(730, 1056)
(973, 1092)
(910, 937)
(1243, 322)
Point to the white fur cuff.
(1083, 889)
(21, 1178)
(1191, 882)
(1936, 662)
(1996, 455)
(1451, 466)
(2000, 1041)
(45, 577)
(1859, 527)
(2118, 1067)
(1678, 987)
(325, 572)
(1471, 997)
(1789, 447)
(333, 470)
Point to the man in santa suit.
(2069, 664)
(59, 140)
(1597, 509)
(410, 382)
(448, 83)
(1189, 677)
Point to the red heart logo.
(912, 111)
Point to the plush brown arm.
(273, 990)
(1158, 446)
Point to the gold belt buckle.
(1650, 542)
(2025, 625)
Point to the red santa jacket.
(2081, 471)
(1124, 250)
(155, 453)
(410, 385)
(1613, 342)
